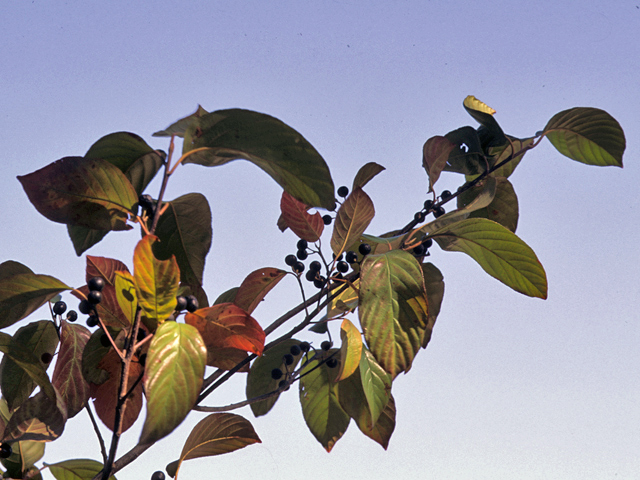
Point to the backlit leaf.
(24, 455)
(225, 135)
(39, 338)
(228, 326)
(172, 379)
(499, 252)
(178, 128)
(435, 155)
(24, 293)
(214, 435)
(256, 286)
(587, 135)
(353, 218)
(184, 230)
(393, 308)
(351, 349)
(67, 376)
(80, 469)
(294, 213)
(365, 174)
(156, 281)
(321, 408)
(259, 380)
(126, 296)
(80, 191)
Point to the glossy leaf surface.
(67, 376)
(37, 337)
(214, 435)
(157, 283)
(256, 286)
(393, 308)
(80, 191)
(353, 218)
(321, 408)
(225, 135)
(172, 379)
(259, 380)
(23, 293)
(184, 230)
(587, 135)
(294, 214)
(498, 251)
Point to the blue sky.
(510, 387)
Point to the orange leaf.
(226, 358)
(228, 326)
(106, 394)
(256, 286)
(304, 225)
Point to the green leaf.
(321, 408)
(131, 154)
(503, 208)
(84, 238)
(180, 127)
(38, 418)
(24, 293)
(81, 191)
(177, 357)
(381, 431)
(350, 350)
(353, 218)
(225, 135)
(25, 359)
(435, 155)
(228, 297)
(503, 152)
(587, 135)
(156, 282)
(10, 268)
(259, 381)
(499, 252)
(67, 376)
(38, 337)
(214, 435)
(80, 469)
(256, 286)
(24, 455)
(393, 308)
(294, 214)
(365, 174)
(184, 230)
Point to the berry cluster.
(188, 303)
(94, 297)
(60, 307)
(287, 360)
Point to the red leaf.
(228, 326)
(106, 394)
(256, 286)
(104, 267)
(306, 226)
(435, 154)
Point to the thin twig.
(103, 448)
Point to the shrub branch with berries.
(152, 325)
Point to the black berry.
(304, 346)
(276, 374)
(5, 450)
(290, 260)
(92, 321)
(319, 282)
(364, 248)
(428, 204)
(419, 250)
(315, 266)
(326, 345)
(181, 303)
(427, 243)
(419, 216)
(352, 257)
(295, 350)
(72, 316)
(104, 340)
(59, 308)
(343, 191)
(446, 194)
(85, 307)
(96, 283)
(141, 335)
(439, 211)
(283, 384)
(302, 254)
(326, 219)
(311, 275)
(157, 475)
(332, 363)
(46, 358)
(302, 244)
(343, 267)
(298, 267)
(192, 304)
(145, 201)
(288, 359)
(94, 297)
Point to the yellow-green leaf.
(351, 349)
(126, 294)
(80, 469)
